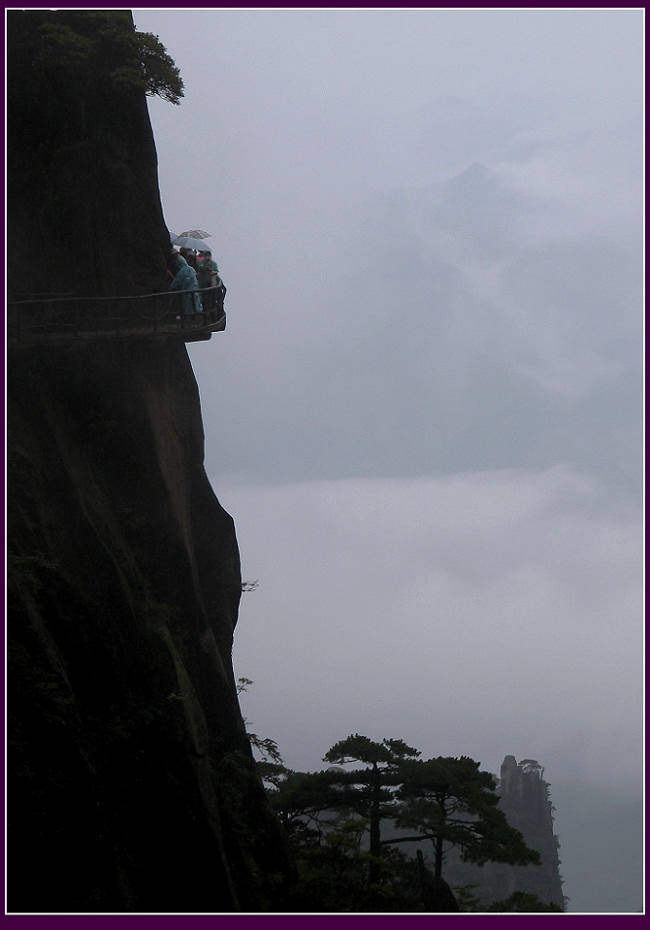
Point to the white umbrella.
(189, 242)
(195, 233)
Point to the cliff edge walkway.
(66, 320)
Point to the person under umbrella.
(190, 257)
(207, 273)
(184, 279)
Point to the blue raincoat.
(185, 280)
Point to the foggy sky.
(425, 415)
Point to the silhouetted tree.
(329, 814)
(86, 44)
(368, 788)
(451, 802)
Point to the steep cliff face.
(131, 785)
(83, 206)
(525, 800)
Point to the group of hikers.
(192, 272)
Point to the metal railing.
(56, 320)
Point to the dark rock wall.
(83, 206)
(131, 785)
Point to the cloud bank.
(480, 614)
